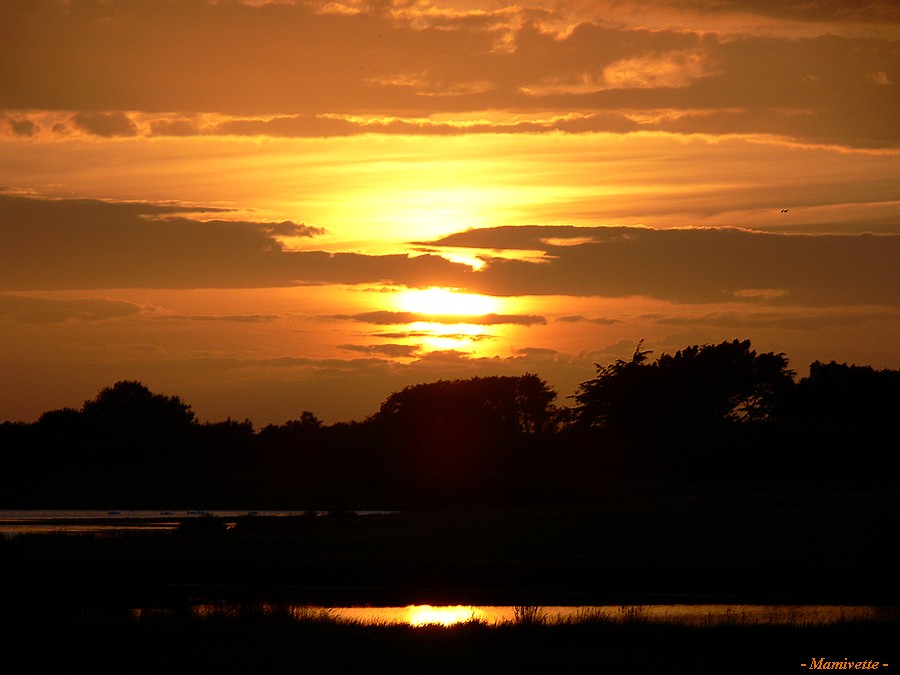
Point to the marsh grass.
(529, 615)
(632, 614)
(280, 638)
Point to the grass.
(529, 615)
(264, 638)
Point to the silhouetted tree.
(843, 418)
(698, 385)
(295, 445)
(453, 433)
(690, 402)
(728, 382)
(618, 395)
(129, 405)
(61, 432)
(293, 431)
(137, 443)
(507, 405)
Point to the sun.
(446, 302)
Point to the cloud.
(577, 318)
(79, 244)
(704, 265)
(105, 124)
(651, 71)
(417, 334)
(288, 228)
(388, 318)
(389, 350)
(175, 126)
(76, 244)
(874, 11)
(298, 71)
(804, 321)
(323, 125)
(20, 126)
(50, 311)
(830, 124)
(880, 77)
(536, 352)
(237, 318)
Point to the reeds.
(529, 615)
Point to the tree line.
(713, 413)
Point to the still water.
(42, 521)
(684, 614)
(15, 522)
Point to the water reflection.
(418, 615)
(63, 521)
(422, 615)
(693, 615)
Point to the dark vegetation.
(711, 415)
(257, 640)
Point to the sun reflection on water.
(423, 615)
(450, 615)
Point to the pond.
(684, 614)
(93, 521)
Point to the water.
(13, 522)
(683, 614)
(45, 521)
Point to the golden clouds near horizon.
(462, 337)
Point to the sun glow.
(447, 302)
(424, 615)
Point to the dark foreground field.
(259, 642)
(68, 598)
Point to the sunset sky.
(271, 207)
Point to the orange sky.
(236, 202)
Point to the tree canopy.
(516, 405)
(130, 404)
(697, 388)
(711, 413)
